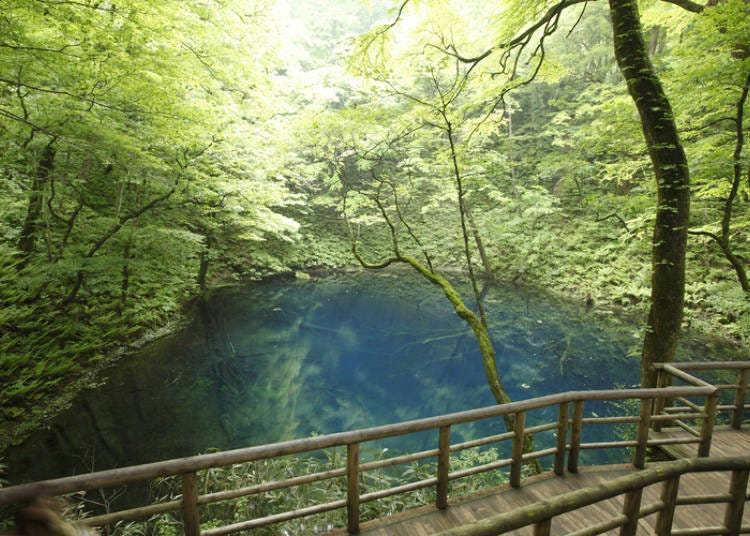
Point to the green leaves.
(134, 138)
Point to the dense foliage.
(148, 150)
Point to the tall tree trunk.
(656, 41)
(126, 273)
(673, 187)
(486, 266)
(205, 260)
(33, 220)
(724, 239)
(737, 175)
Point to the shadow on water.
(287, 359)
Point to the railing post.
(562, 437)
(669, 499)
(735, 508)
(575, 436)
(443, 468)
(639, 458)
(739, 399)
(543, 528)
(190, 517)
(661, 382)
(707, 430)
(631, 509)
(519, 426)
(352, 488)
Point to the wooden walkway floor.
(426, 521)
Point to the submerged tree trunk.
(673, 187)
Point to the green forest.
(150, 151)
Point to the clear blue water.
(285, 359)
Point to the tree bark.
(673, 188)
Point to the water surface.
(285, 359)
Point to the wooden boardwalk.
(428, 520)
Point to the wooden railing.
(668, 373)
(540, 515)
(562, 416)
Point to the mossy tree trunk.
(673, 187)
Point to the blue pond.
(286, 359)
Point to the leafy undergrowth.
(46, 356)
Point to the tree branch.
(372, 265)
(60, 50)
(710, 235)
(549, 17)
(616, 216)
(687, 4)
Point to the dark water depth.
(287, 359)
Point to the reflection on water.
(286, 359)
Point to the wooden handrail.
(541, 513)
(742, 368)
(138, 473)
(707, 365)
(568, 426)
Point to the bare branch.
(552, 14)
(387, 27)
(580, 17)
(687, 4)
(452, 51)
(710, 235)
(615, 216)
(398, 16)
(200, 58)
(18, 118)
(372, 265)
(60, 50)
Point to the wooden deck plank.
(428, 520)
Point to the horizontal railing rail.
(540, 515)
